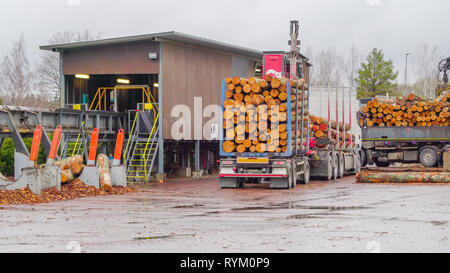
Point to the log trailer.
(332, 157)
(405, 144)
(285, 169)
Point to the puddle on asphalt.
(287, 205)
(293, 206)
(311, 215)
(303, 216)
(193, 206)
(163, 236)
(438, 223)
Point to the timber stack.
(255, 117)
(321, 128)
(411, 110)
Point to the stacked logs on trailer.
(321, 128)
(411, 110)
(256, 113)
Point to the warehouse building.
(166, 69)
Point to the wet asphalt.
(197, 216)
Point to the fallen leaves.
(71, 190)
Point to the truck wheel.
(428, 157)
(330, 169)
(306, 173)
(241, 182)
(294, 174)
(289, 176)
(357, 162)
(363, 158)
(335, 168)
(341, 166)
(382, 164)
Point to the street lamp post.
(406, 67)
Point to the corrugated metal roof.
(170, 36)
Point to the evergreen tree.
(376, 76)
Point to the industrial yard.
(197, 216)
(225, 136)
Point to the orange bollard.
(93, 147)
(119, 146)
(36, 143)
(55, 142)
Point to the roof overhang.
(161, 36)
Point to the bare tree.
(425, 61)
(328, 68)
(48, 67)
(16, 75)
(352, 65)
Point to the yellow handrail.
(148, 141)
(129, 138)
(147, 96)
(76, 143)
(92, 103)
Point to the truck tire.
(289, 177)
(335, 168)
(330, 169)
(363, 158)
(357, 161)
(382, 164)
(306, 173)
(341, 167)
(294, 174)
(428, 156)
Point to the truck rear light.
(279, 162)
(227, 162)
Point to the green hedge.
(7, 155)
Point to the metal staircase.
(74, 144)
(142, 145)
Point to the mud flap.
(279, 183)
(227, 182)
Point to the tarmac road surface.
(197, 216)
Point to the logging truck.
(334, 147)
(405, 130)
(261, 140)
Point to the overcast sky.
(396, 26)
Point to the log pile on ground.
(105, 172)
(256, 114)
(70, 190)
(403, 175)
(407, 111)
(71, 167)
